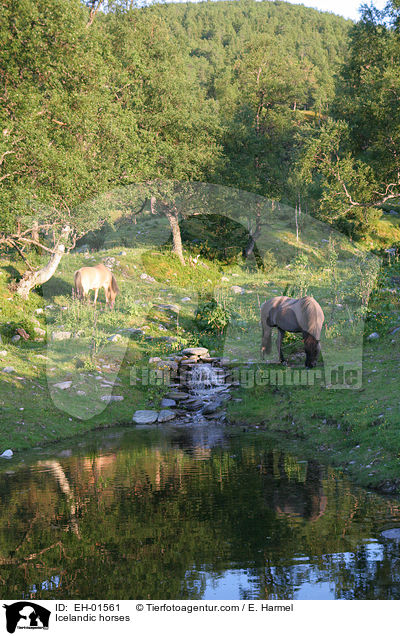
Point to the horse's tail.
(266, 331)
(78, 284)
(114, 285)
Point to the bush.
(212, 317)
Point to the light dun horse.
(302, 315)
(88, 278)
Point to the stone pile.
(199, 388)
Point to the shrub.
(212, 317)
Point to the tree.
(178, 123)
(355, 157)
(62, 129)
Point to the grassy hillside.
(155, 316)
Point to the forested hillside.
(269, 67)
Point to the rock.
(224, 279)
(195, 351)
(134, 331)
(237, 290)
(147, 278)
(112, 398)
(373, 336)
(173, 308)
(3, 353)
(81, 392)
(61, 335)
(7, 454)
(39, 310)
(165, 415)
(168, 364)
(186, 299)
(21, 332)
(393, 533)
(123, 253)
(39, 331)
(8, 370)
(165, 402)
(63, 385)
(145, 417)
(211, 408)
(196, 405)
(110, 262)
(15, 338)
(395, 330)
(154, 360)
(114, 338)
(177, 395)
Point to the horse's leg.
(281, 334)
(107, 291)
(96, 291)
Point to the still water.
(189, 513)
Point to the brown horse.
(95, 277)
(298, 315)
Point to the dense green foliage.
(352, 162)
(280, 100)
(202, 92)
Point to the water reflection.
(190, 512)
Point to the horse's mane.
(312, 316)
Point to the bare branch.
(7, 152)
(94, 9)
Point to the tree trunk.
(33, 279)
(176, 235)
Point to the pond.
(190, 512)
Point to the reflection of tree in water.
(150, 520)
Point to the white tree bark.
(40, 276)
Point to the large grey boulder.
(166, 403)
(195, 351)
(145, 417)
(393, 534)
(166, 415)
